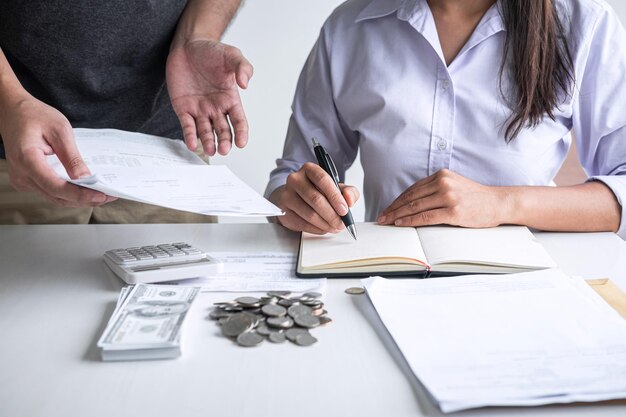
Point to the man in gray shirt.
(155, 67)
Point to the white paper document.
(522, 339)
(161, 171)
(256, 271)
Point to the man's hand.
(31, 130)
(202, 80)
(446, 198)
(312, 202)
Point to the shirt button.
(442, 144)
(445, 84)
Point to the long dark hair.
(539, 61)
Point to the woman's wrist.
(508, 205)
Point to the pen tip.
(352, 231)
(315, 142)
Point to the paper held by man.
(163, 172)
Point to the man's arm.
(205, 19)
(203, 76)
(31, 130)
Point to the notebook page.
(374, 241)
(503, 245)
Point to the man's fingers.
(205, 132)
(224, 135)
(188, 123)
(240, 125)
(244, 72)
(62, 142)
(50, 185)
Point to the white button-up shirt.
(376, 80)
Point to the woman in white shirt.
(462, 112)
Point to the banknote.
(148, 323)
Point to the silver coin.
(355, 290)
(279, 294)
(305, 340)
(280, 322)
(232, 309)
(222, 321)
(294, 332)
(298, 309)
(225, 304)
(313, 303)
(248, 301)
(287, 302)
(306, 320)
(312, 294)
(255, 319)
(236, 325)
(218, 313)
(277, 337)
(263, 330)
(249, 339)
(268, 300)
(273, 310)
(325, 320)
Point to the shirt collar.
(379, 8)
(416, 12)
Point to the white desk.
(56, 296)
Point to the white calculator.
(159, 263)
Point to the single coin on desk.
(355, 290)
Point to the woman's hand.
(446, 198)
(312, 202)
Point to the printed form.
(163, 172)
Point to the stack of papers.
(147, 323)
(523, 339)
(163, 172)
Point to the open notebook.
(423, 251)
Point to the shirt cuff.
(276, 180)
(617, 184)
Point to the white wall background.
(276, 36)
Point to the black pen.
(326, 162)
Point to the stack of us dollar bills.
(147, 323)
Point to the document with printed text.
(163, 172)
(256, 271)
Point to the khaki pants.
(29, 208)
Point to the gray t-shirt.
(100, 62)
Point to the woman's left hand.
(447, 198)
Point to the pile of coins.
(275, 317)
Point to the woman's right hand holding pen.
(312, 202)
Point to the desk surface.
(56, 296)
